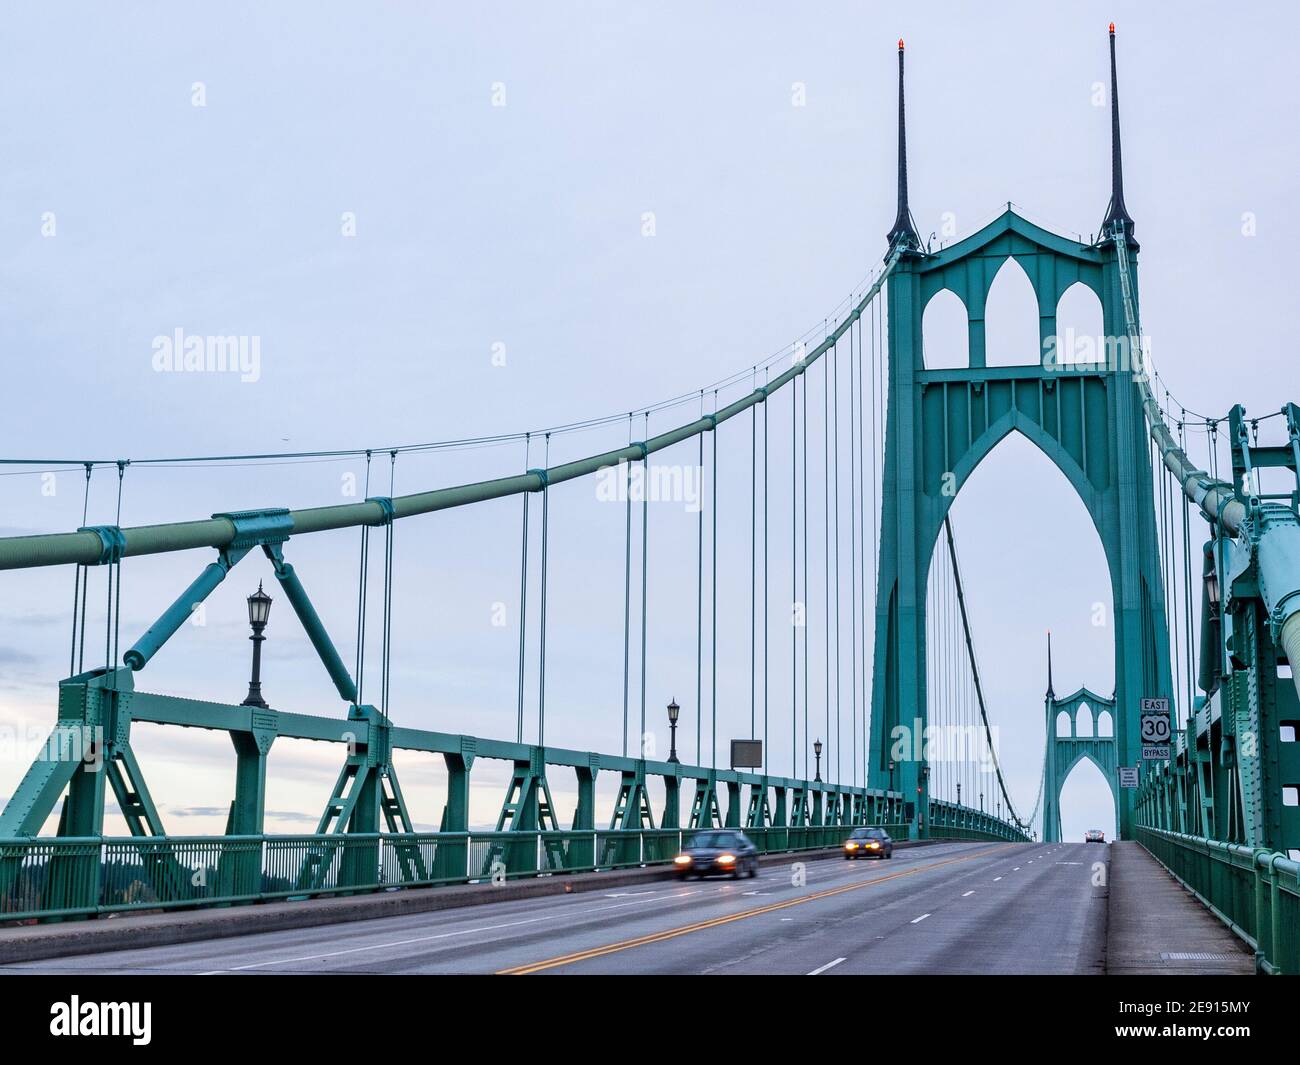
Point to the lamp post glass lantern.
(673, 711)
(259, 610)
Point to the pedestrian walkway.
(1155, 925)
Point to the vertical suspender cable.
(523, 596)
(627, 591)
(1203, 829)
(766, 615)
(1191, 659)
(115, 578)
(878, 432)
(853, 564)
(943, 662)
(929, 637)
(699, 607)
(541, 667)
(862, 554)
(934, 654)
(950, 686)
(941, 679)
(826, 555)
(794, 578)
(1187, 591)
(949, 751)
(1173, 653)
(753, 561)
(954, 704)
(1160, 484)
(387, 674)
(645, 582)
(362, 579)
(877, 453)
(713, 609)
(804, 613)
(80, 594)
(835, 432)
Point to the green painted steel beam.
(162, 630)
(312, 625)
(195, 713)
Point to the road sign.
(1156, 729)
(746, 754)
(1128, 776)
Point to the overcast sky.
(433, 218)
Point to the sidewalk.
(1156, 926)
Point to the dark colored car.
(717, 850)
(869, 843)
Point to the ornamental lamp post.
(673, 711)
(259, 609)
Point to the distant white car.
(1094, 835)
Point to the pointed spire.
(903, 229)
(1116, 212)
(1050, 693)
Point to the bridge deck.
(1157, 926)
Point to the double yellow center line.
(700, 926)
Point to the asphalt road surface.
(945, 908)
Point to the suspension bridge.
(1203, 559)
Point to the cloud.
(198, 811)
(222, 811)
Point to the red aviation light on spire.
(900, 41)
(1112, 28)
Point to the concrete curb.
(136, 931)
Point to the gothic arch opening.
(945, 332)
(1080, 334)
(1011, 319)
(1083, 722)
(1105, 723)
(1063, 724)
(1086, 802)
(1031, 561)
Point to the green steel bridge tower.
(1068, 746)
(943, 423)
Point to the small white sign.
(1128, 776)
(1156, 729)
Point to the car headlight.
(850, 846)
(682, 859)
(726, 859)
